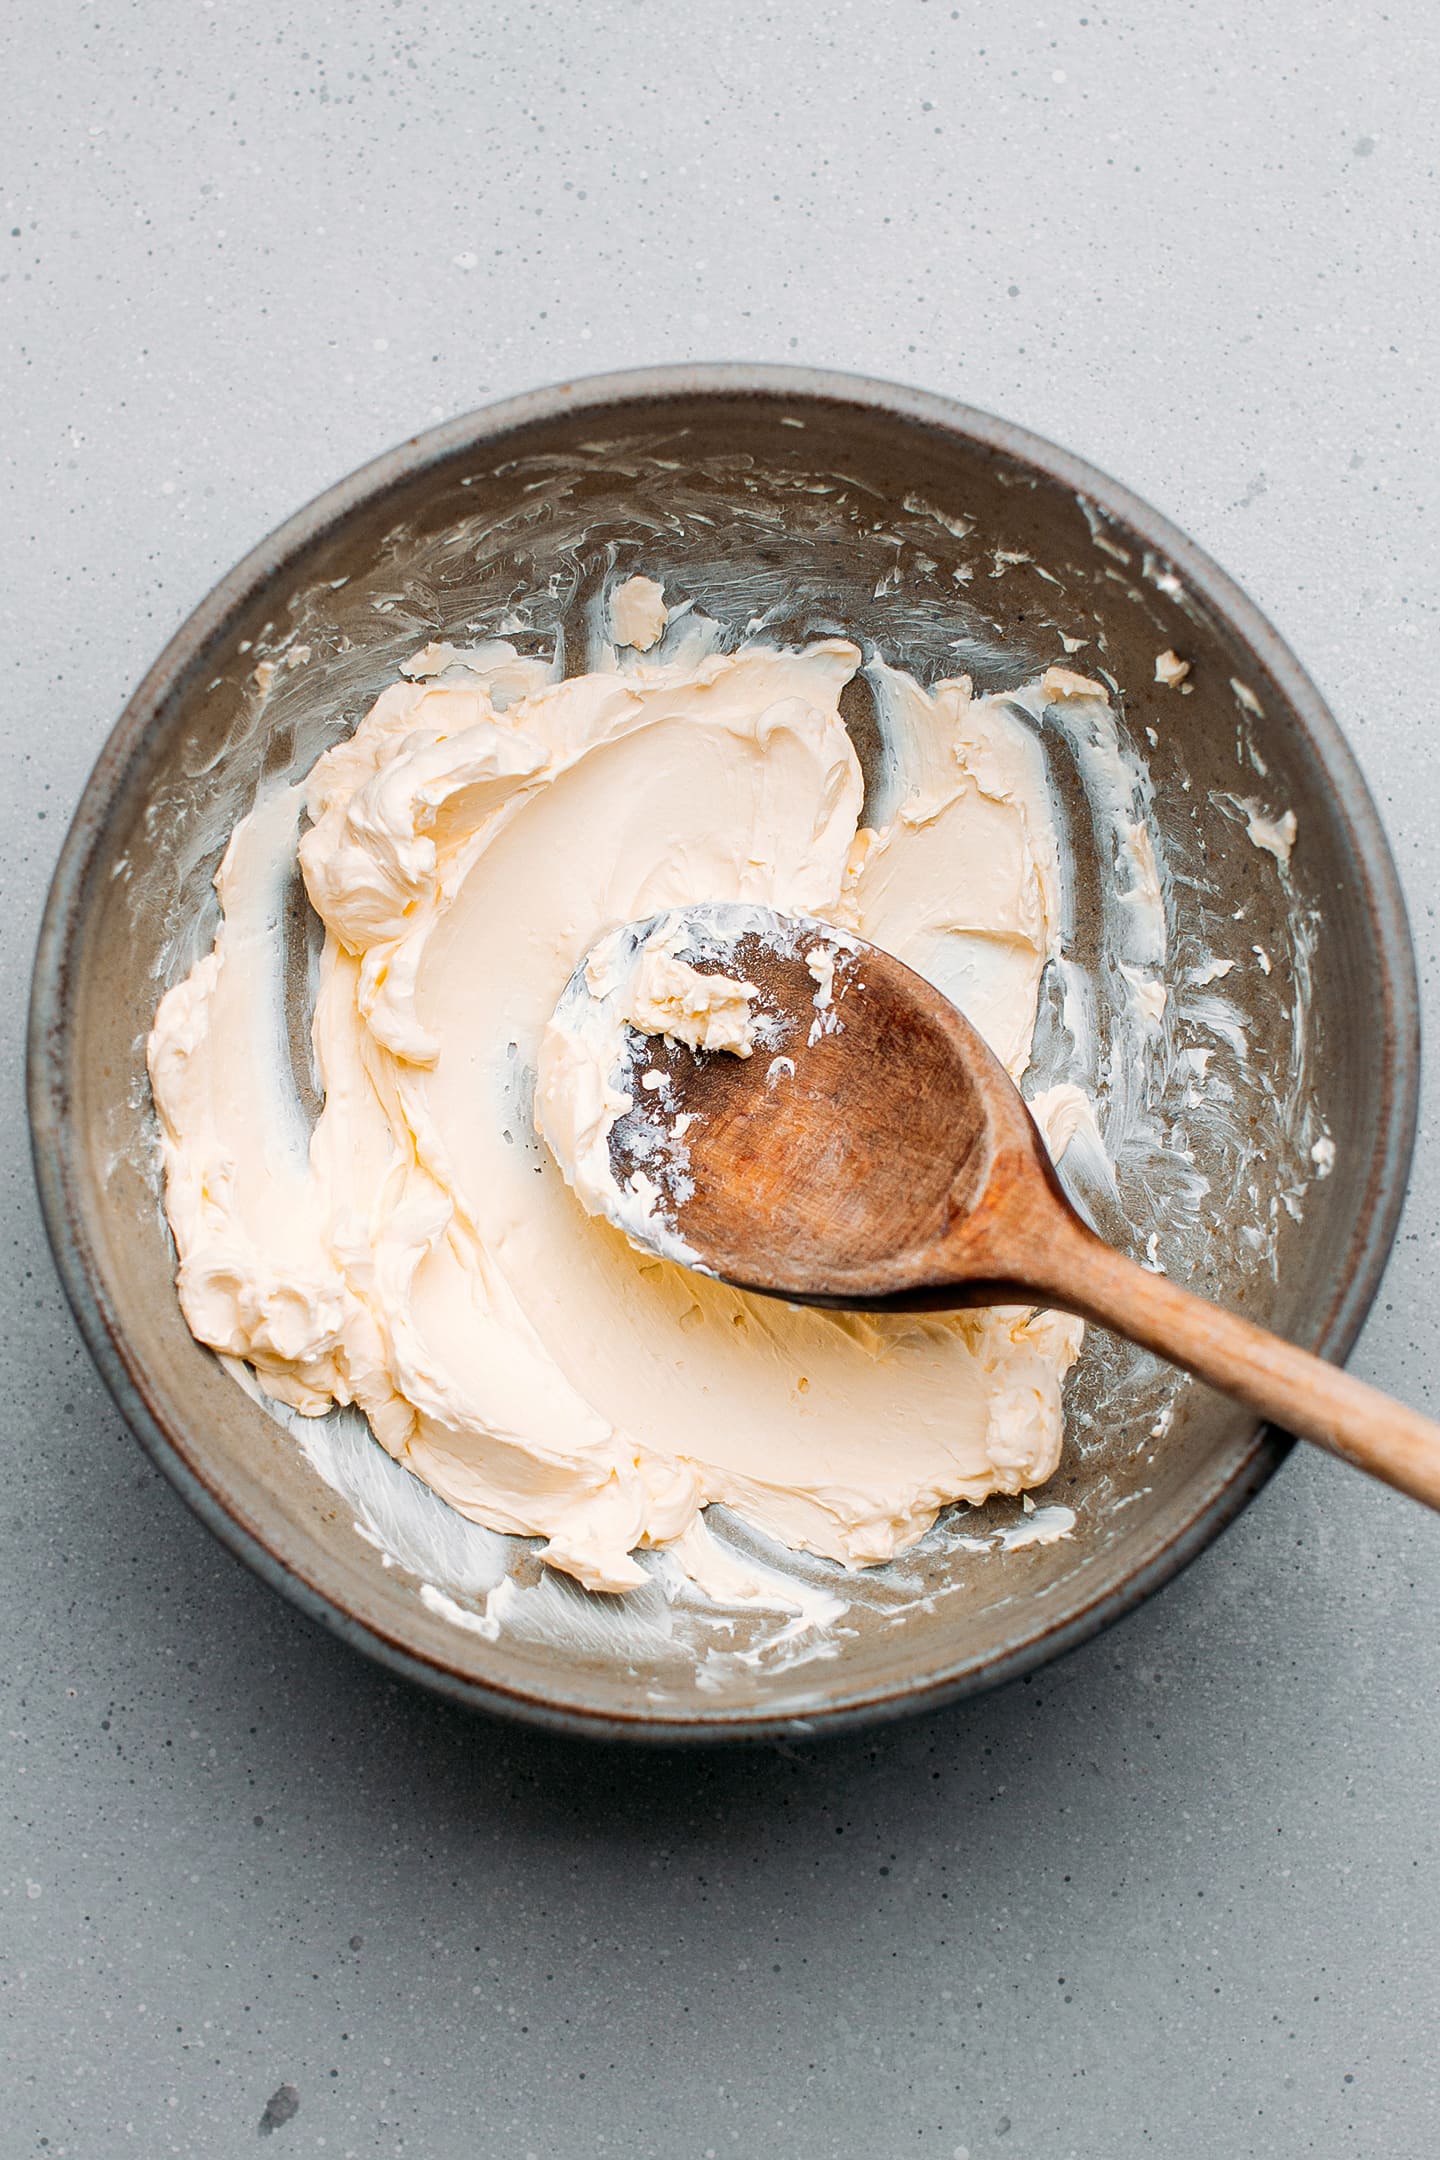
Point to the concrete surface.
(1179, 1895)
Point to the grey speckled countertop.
(1179, 1894)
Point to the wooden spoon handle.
(1287, 1386)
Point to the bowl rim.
(53, 1140)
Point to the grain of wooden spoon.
(874, 1152)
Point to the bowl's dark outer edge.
(49, 1022)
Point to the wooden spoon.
(872, 1151)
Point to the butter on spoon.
(879, 1156)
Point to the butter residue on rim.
(419, 1255)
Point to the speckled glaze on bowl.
(100, 969)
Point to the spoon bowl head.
(832, 1158)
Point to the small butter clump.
(638, 613)
(709, 1012)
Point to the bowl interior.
(951, 545)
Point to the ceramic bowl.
(956, 543)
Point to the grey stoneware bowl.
(954, 542)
